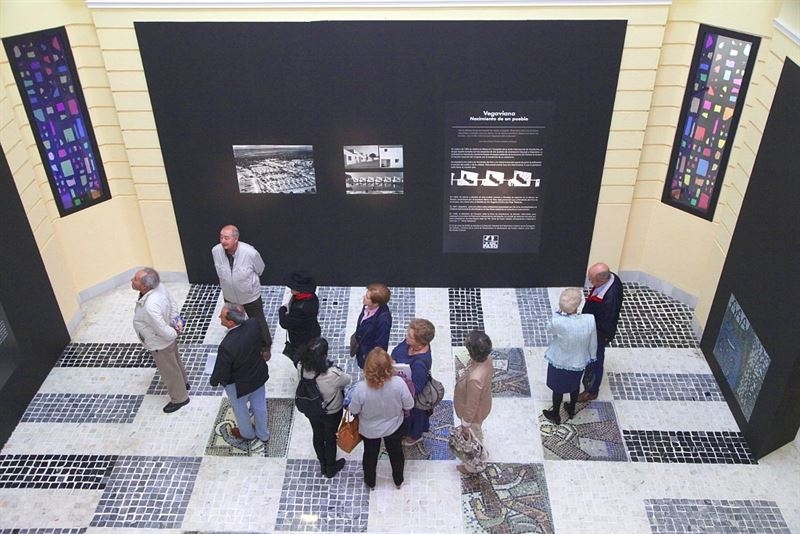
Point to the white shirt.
(240, 284)
(380, 411)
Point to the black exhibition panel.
(760, 265)
(332, 84)
(32, 330)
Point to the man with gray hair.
(243, 373)
(239, 267)
(154, 321)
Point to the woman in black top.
(299, 316)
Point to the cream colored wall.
(667, 243)
(90, 246)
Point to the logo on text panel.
(491, 241)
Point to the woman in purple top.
(374, 322)
(416, 352)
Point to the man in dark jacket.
(243, 373)
(604, 302)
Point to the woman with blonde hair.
(415, 351)
(573, 346)
(381, 402)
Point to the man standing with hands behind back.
(154, 321)
(239, 267)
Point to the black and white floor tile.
(657, 452)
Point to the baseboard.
(111, 283)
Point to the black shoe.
(330, 473)
(175, 406)
(552, 416)
(188, 386)
(570, 407)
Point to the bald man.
(239, 267)
(604, 302)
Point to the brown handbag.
(347, 438)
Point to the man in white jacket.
(239, 267)
(155, 324)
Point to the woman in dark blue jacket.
(374, 323)
(415, 351)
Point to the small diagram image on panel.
(373, 169)
(467, 178)
(493, 179)
(521, 179)
(374, 183)
(286, 169)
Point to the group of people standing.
(383, 401)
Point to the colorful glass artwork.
(714, 98)
(51, 92)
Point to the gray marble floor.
(657, 452)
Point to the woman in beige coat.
(472, 396)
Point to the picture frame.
(712, 105)
(47, 78)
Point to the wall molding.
(112, 283)
(336, 4)
(789, 31)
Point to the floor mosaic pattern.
(652, 320)
(198, 311)
(312, 503)
(688, 447)
(466, 313)
(123, 355)
(80, 408)
(147, 492)
(510, 371)
(592, 434)
(95, 453)
(280, 413)
(55, 471)
(664, 387)
(507, 498)
(434, 443)
(535, 311)
(403, 308)
(668, 516)
(194, 360)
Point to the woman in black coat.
(299, 315)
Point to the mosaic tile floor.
(657, 452)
